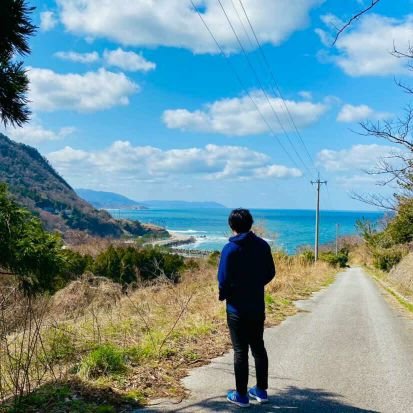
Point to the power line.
(242, 24)
(258, 80)
(242, 84)
(275, 82)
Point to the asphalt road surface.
(349, 350)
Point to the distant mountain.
(101, 199)
(35, 184)
(180, 204)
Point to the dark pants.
(248, 332)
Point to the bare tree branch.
(395, 169)
(398, 131)
(355, 17)
(376, 200)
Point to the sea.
(287, 229)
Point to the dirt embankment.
(401, 277)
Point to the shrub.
(213, 258)
(386, 258)
(76, 264)
(388, 246)
(105, 409)
(307, 255)
(59, 345)
(102, 361)
(107, 264)
(124, 264)
(154, 262)
(192, 265)
(337, 260)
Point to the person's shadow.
(292, 400)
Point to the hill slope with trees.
(35, 184)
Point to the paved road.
(349, 350)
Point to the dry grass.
(400, 278)
(160, 330)
(77, 298)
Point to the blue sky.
(135, 98)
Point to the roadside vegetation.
(386, 250)
(388, 242)
(92, 344)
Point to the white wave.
(212, 239)
(211, 242)
(186, 231)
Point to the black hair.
(240, 220)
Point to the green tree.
(75, 264)
(26, 250)
(108, 264)
(15, 29)
(128, 268)
(400, 228)
(122, 265)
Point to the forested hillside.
(36, 185)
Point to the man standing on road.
(246, 266)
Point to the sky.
(137, 98)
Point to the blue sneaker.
(234, 397)
(259, 395)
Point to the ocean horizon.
(288, 229)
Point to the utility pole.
(337, 228)
(318, 184)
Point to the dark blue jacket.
(246, 266)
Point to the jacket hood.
(244, 238)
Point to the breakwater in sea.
(191, 253)
(173, 241)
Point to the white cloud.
(175, 23)
(123, 161)
(91, 57)
(358, 157)
(276, 171)
(356, 181)
(305, 94)
(48, 21)
(351, 113)
(67, 155)
(129, 61)
(240, 117)
(36, 133)
(366, 48)
(88, 92)
(126, 60)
